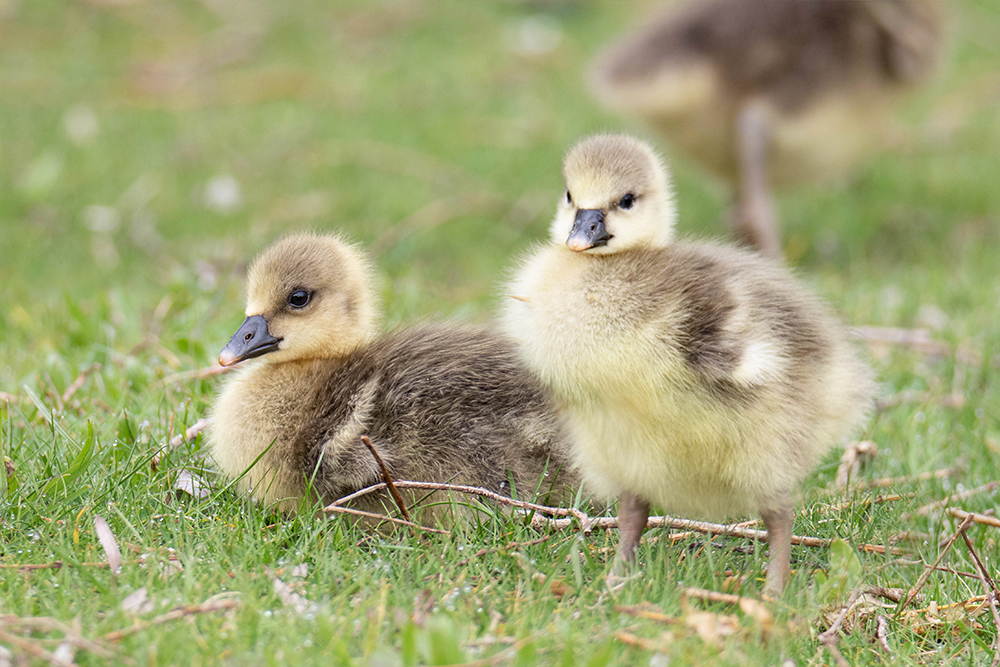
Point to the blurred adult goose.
(776, 92)
(440, 403)
(695, 377)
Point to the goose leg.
(779, 534)
(754, 222)
(632, 515)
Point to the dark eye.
(299, 298)
(569, 198)
(626, 201)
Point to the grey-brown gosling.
(440, 403)
(778, 92)
(699, 378)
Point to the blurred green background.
(149, 148)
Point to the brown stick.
(34, 649)
(173, 615)
(919, 340)
(978, 518)
(831, 636)
(47, 624)
(716, 596)
(991, 594)
(882, 632)
(877, 500)
(605, 523)
(639, 642)
(641, 611)
(54, 565)
(199, 374)
(922, 477)
(471, 490)
(952, 400)
(78, 382)
(590, 524)
(925, 575)
(382, 517)
(981, 570)
(949, 570)
(499, 656)
(190, 434)
(386, 477)
(938, 504)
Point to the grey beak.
(588, 230)
(251, 340)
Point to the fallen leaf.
(855, 454)
(138, 602)
(758, 612)
(192, 484)
(301, 605)
(712, 627)
(109, 543)
(63, 655)
(559, 588)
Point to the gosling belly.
(688, 464)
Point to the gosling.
(440, 403)
(773, 91)
(699, 378)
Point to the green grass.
(355, 116)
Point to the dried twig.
(877, 500)
(382, 517)
(34, 649)
(437, 213)
(207, 606)
(715, 596)
(925, 575)
(470, 490)
(589, 524)
(981, 570)
(955, 399)
(639, 642)
(831, 636)
(386, 477)
(881, 632)
(78, 382)
(47, 624)
(991, 594)
(735, 530)
(643, 611)
(850, 462)
(978, 518)
(54, 565)
(949, 570)
(198, 374)
(919, 340)
(501, 655)
(922, 477)
(939, 504)
(190, 434)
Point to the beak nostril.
(248, 338)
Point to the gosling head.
(617, 197)
(308, 297)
